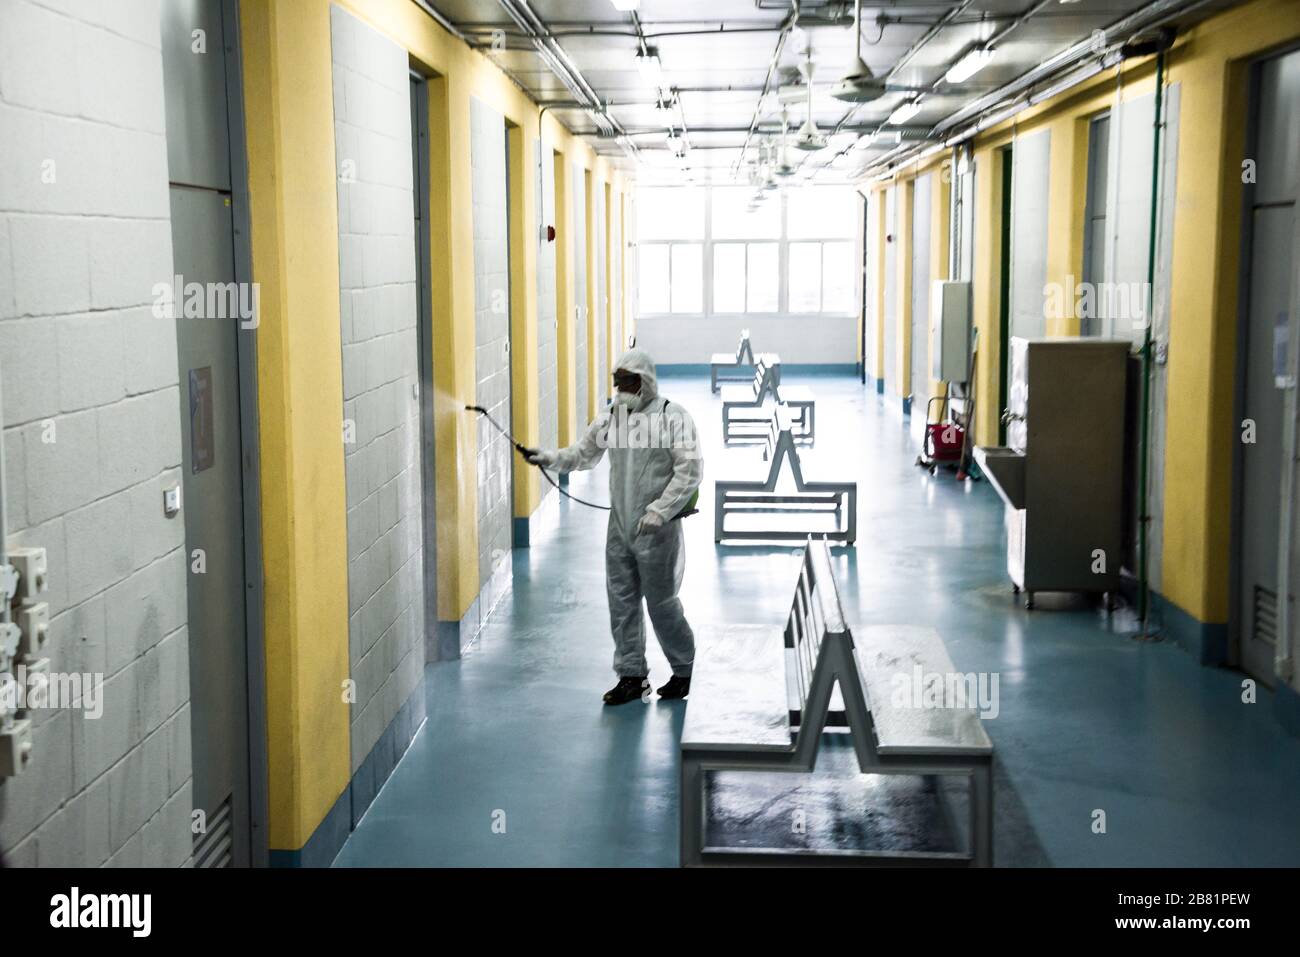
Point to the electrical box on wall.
(950, 330)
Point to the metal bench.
(737, 720)
(814, 502)
(724, 367)
(744, 408)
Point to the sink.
(1005, 468)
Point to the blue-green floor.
(520, 764)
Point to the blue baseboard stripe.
(328, 838)
(1206, 640)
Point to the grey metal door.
(424, 338)
(1270, 267)
(208, 351)
(210, 309)
(578, 218)
(1094, 218)
(890, 314)
(920, 299)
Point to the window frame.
(782, 242)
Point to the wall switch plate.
(15, 748)
(10, 636)
(172, 501)
(32, 576)
(34, 623)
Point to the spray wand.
(528, 453)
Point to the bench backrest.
(764, 381)
(744, 351)
(779, 446)
(815, 616)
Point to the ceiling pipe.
(787, 25)
(1009, 99)
(442, 21)
(1152, 15)
(558, 62)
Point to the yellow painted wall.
(290, 134)
(1210, 62)
(294, 220)
(940, 224)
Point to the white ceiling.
(716, 55)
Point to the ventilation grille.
(1264, 617)
(213, 848)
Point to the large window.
(705, 252)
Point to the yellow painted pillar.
(986, 290)
(524, 385)
(903, 273)
(940, 223)
(289, 118)
(1202, 339)
(589, 187)
(611, 346)
(1067, 201)
(451, 271)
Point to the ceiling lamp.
(904, 112)
(810, 139)
(860, 85)
(626, 5)
(965, 68)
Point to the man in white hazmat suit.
(655, 469)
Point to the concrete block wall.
(92, 428)
(601, 344)
(619, 335)
(547, 358)
(578, 217)
(378, 307)
(492, 343)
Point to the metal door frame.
(1236, 542)
(424, 342)
(1006, 242)
(250, 440)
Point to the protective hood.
(639, 362)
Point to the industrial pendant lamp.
(810, 139)
(861, 85)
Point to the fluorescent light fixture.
(904, 112)
(651, 69)
(626, 5)
(965, 68)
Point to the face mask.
(626, 399)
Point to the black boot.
(677, 687)
(627, 689)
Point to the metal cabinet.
(1061, 473)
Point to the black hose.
(525, 452)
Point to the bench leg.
(692, 813)
(713, 378)
(981, 811)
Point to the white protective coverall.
(655, 465)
